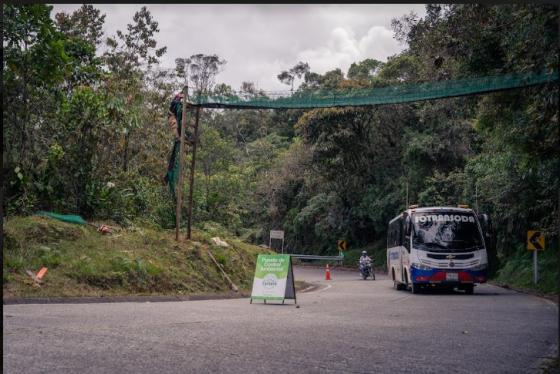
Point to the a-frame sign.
(274, 279)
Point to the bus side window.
(405, 233)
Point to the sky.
(259, 41)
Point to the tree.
(34, 59)
(203, 71)
(364, 70)
(83, 30)
(288, 76)
(125, 57)
(85, 23)
(136, 47)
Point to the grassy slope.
(136, 260)
(517, 271)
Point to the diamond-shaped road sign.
(535, 240)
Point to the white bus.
(437, 246)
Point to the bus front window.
(449, 231)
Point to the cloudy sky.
(259, 41)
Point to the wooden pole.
(193, 164)
(179, 187)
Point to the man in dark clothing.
(174, 119)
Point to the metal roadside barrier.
(316, 257)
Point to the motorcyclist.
(365, 262)
(365, 259)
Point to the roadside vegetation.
(141, 259)
(517, 272)
(85, 132)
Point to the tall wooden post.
(179, 187)
(193, 164)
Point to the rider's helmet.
(364, 253)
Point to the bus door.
(405, 225)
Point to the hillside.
(137, 260)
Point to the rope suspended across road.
(376, 96)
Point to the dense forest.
(85, 131)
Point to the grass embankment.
(138, 260)
(517, 271)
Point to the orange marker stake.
(41, 273)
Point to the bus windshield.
(445, 231)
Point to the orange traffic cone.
(328, 273)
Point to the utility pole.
(179, 187)
(476, 196)
(193, 165)
(406, 206)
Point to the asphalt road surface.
(346, 326)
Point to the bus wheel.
(414, 287)
(469, 290)
(395, 283)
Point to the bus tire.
(469, 289)
(395, 283)
(414, 287)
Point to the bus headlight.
(479, 267)
(421, 267)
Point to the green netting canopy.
(376, 96)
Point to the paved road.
(351, 326)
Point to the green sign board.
(274, 278)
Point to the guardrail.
(316, 257)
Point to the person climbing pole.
(174, 118)
(174, 114)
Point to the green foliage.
(517, 270)
(364, 70)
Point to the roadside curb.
(305, 287)
(120, 299)
(554, 298)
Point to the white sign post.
(276, 234)
(535, 243)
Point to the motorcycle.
(367, 270)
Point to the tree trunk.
(125, 156)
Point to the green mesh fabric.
(70, 218)
(173, 174)
(377, 96)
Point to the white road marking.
(326, 288)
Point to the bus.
(437, 247)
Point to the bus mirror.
(407, 227)
(484, 220)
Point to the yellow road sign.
(342, 245)
(535, 240)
